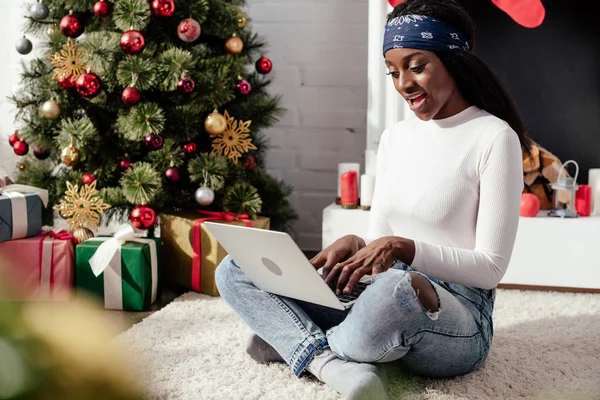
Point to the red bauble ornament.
(40, 153)
(153, 141)
(88, 85)
(188, 30)
(250, 163)
(132, 42)
(14, 138)
(189, 148)
(66, 82)
(394, 3)
(131, 96)
(101, 8)
(142, 217)
(173, 174)
(125, 164)
(530, 205)
(264, 65)
(21, 148)
(71, 26)
(244, 87)
(186, 85)
(88, 179)
(163, 8)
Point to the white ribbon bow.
(109, 254)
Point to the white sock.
(354, 381)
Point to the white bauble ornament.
(204, 196)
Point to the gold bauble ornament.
(51, 109)
(70, 156)
(241, 20)
(82, 234)
(215, 123)
(234, 45)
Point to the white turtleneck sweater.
(454, 187)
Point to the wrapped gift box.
(177, 233)
(130, 282)
(39, 268)
(20, 215)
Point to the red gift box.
(39, 268)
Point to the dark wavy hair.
(477, 83)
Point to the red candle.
(583, 200)
(349, 188)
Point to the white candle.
(594, 182)
(367, 187)
(345, 167)
(370, 162)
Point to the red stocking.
(529, 13)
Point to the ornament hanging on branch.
(23, 45)
(153, 141)
(81, 208)
(243, 87)
(263, 65)
(131, 96)
(21, 148)
(235, 141)
(142, 217)
(125, 165)
(88, 85)
(40, 154)
(189, 148)
(173, 174)
(66, 83)
(234, 45)
(51, 109)
(241, 20)
(101, 8)
(39, 11)
(132, 42)
(14, 138)
(188, 30)
(71, 26)
(186, 85)
(204, 195)
(163, 8)
(68, 62)
(215, 123)
(70, 155)
(250, 163)
(88, 178)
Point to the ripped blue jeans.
(387, 323)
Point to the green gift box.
(129, 281)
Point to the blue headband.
(422, 32)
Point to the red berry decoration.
(21, 148)
(264, 65)
(142, 217)
(101, 8)
(131, 96)
(125, 164)
(66, 82)
(88, 179)
(88, 85)
(153, 141)
(14, 138)
(173, 174)
(132, 42)
(189, 148)
(243, 87)
(186, 85)
(40, 154)
(163, 8)
(71, 26)
(250, 163)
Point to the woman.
(442, 225)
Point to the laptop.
(275, 264)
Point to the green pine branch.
(242, 198)
(131, 14)
(138, 71)
(173, 64)
(210, 170)
(171, 154)
(141, 121)
(80, 133)
(140, 183)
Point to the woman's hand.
(340, 250)
(375, 258)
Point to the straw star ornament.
(235, 141)
(68, 62)
(82, 207)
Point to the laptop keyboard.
(356, 291)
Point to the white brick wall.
(319, 54)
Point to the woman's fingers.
(355, 277)
(346, 271)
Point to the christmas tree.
(160, 102)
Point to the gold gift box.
(176, 232)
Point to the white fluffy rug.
(546, 346)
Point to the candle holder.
(565, 183)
